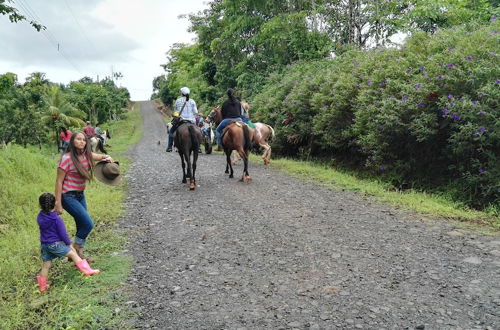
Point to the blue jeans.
(74, 203)
(170, 139)
(222, 125)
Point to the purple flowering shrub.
(427, 114)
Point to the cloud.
(95, 37)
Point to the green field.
(74, 301)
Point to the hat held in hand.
(108, 173)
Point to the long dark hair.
(74, 153)
(47, 202)
(232, 97)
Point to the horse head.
(215, 116)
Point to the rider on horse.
(184, 108)
(231, 111)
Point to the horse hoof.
(184, 181)
(248, 179)
(231, 176)
(227, 172)
(192, 186)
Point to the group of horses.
(237, 136)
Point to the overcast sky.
(94, 38)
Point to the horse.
(187, 139)
(238, 136)
(96, 143)
(263, 135)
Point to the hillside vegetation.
(73, 301)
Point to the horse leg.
(183, 167)
(228, 163)
(267, 152)
(245, 177)
(192, 184)
(101, 146)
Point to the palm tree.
(60, 112)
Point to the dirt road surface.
(283, 254)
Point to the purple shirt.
(52, 228)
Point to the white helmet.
(184, 91)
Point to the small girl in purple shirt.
(55, 242)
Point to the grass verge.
(429, 204)
(74, 301)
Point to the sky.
(96, 38)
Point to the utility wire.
(31, 14)
(82, 31)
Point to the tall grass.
(73, 301)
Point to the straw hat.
(108, 173)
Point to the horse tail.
(272, 132)
(246, 135)
(195, 145)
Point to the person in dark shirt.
(231, 111)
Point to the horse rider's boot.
(42, 283)
(84, 267)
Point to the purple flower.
(475, 102)
(422, 68)
(380, 127)
(358, 85)
(481, 131)
(469, 58)
(357, 63)
(420, 105)
(482, 95)
(456, 117)
(382, 84)
(410, 70)
(493, 19)
(450, 96)
(418, 85)
(498, 81)
(405, 97)
(481, 171)
(382, 168)
(451, 48)
(492, 54)
(482, 112)
(445, 112)
(369, 82)
(449, 66)
(440, 76)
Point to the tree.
(60, 112)
(15, 17)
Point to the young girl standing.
(74, 170)
(55, 242)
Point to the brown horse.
(238, 136)
(187, 139)
(263, 133)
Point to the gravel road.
(279, 253)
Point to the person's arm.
(58, 191)
(61, 231)
(100, 157)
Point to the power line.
(31, 14)
(82, 31)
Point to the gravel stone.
(280, 253)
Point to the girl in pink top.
(74, 170)
(65, 136)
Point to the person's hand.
(58, 208)
(107, 158)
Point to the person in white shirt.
(186, 109)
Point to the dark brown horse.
(187, 139)
(238, 136)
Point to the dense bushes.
(425, 113)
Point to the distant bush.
(424, 114)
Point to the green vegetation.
(421, 115)
(32, 113)
(73, 301)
